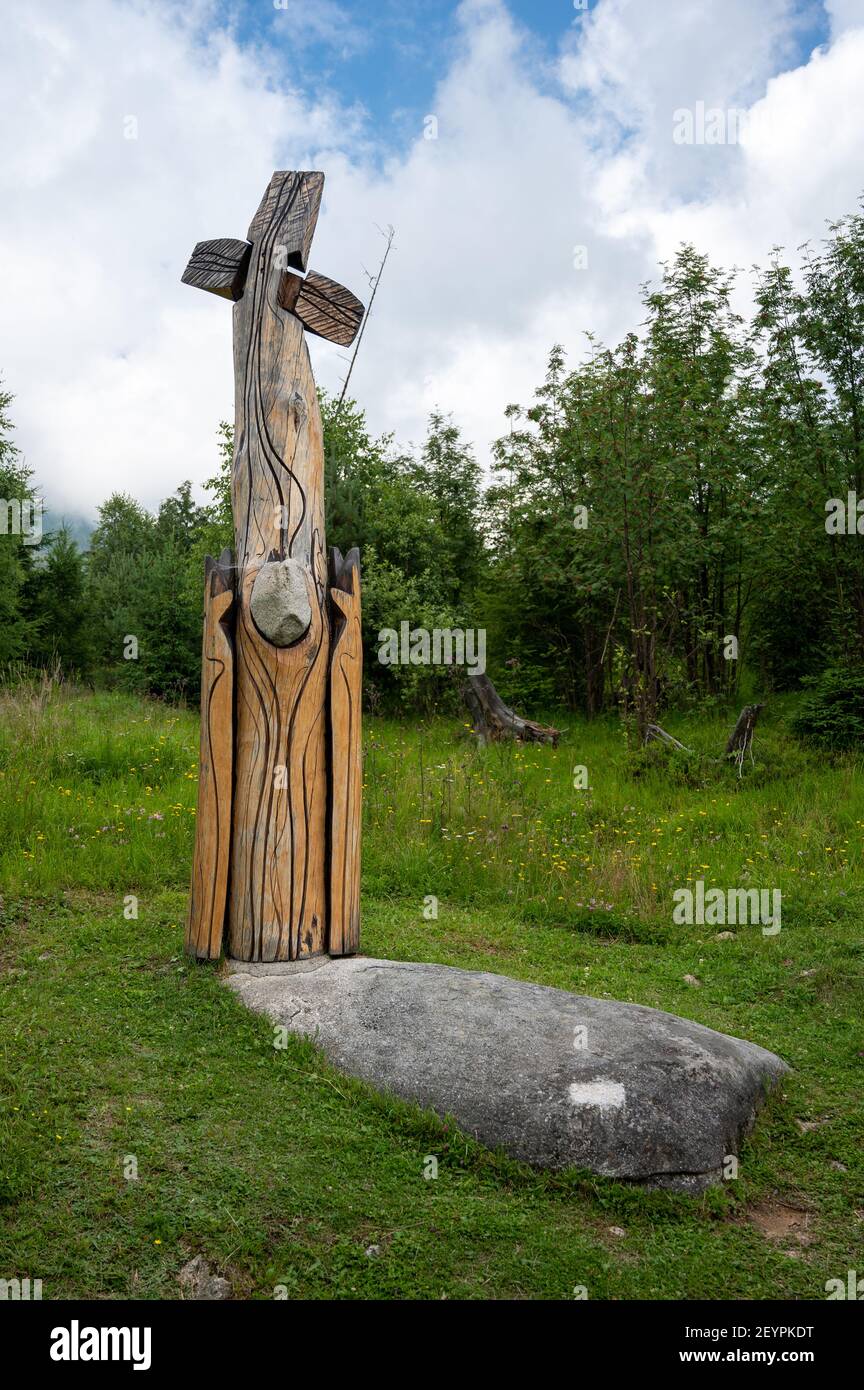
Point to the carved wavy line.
(253, 355)
(308, 779)
(262, 731)
(216, 661)
(350, 773)
(310, 670)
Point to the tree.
(17, 631)
(812, 422)
(449, 476)
(620, 527)
(119, 547)
(56, 600)
(146, 581)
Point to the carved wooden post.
(294, 795)
(346, 780)
(213, 822)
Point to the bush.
(832, 713)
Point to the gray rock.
(279, 602)
(197, 1283)
(555, 1079)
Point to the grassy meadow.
(119, 1055)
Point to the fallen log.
(654, 731)
(493, 720)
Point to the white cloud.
(121, 373)
(797, 168)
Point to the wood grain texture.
(328, 309)
(206, 920)
(277, 908)
(218, 266)
(289, 209)
(346, 754)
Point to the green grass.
(279, 1170)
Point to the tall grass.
(279, 1172)
(100, 791)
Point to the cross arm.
(277, 245)
(323, 306)
(219, 266)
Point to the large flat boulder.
(555, 1079)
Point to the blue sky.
(387, 56)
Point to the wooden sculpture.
(277, 849)
(215, 764)
(346, 778)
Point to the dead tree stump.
(741, 738)
(493, 720)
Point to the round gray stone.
(279, 602)
(555, 1079)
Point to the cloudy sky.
(553, 185)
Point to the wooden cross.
(277, 848)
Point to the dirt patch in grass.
(780, 1222)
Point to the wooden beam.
(328, 309)
(346, 754)
(206, 919)
(278, 895)
(219, 266)
(286, 218)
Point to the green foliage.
(662, 765)
(17, 631)
(448, 475)
(676, 767)
(808, 599)
(390, 598)
(622, 519)
(655, 502)
(418, 525)
(145, 582)
(832, 712)
(55, 598)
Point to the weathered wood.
(326, 308)
(346, 754)
(278, 892)
(323, 306)
(286, 217)
(206, 919)
(654, 731)
(493, 720)
(279, 871)
(219, 266)
(741, 736)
